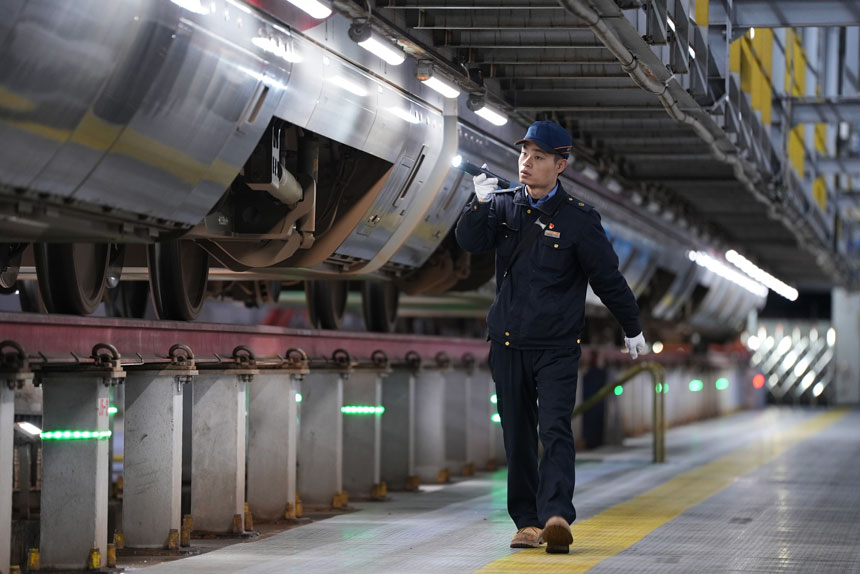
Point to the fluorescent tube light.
(316, 9)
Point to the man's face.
(539, 169)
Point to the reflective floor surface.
(768, 491)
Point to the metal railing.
(658, 422)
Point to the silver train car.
(206, 144)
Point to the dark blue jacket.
(541, 303)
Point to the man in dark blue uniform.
(536, 320)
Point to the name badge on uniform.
(550, 233)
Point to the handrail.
(658, 411)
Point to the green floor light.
(696, 385)
(722, 384)
(75, 435)
(362, 410)
(496, 418)
(112, 410)
(618, 390)
(494, 399)
(298, 397)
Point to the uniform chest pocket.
(555, 252)
(507, 237)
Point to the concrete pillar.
(218, 450)
(74, 471)
(456, 422)
(272, 428)
(430, 426)
(479, 389)
(398, 430)
(320, 452)
(7, 430)
(152, 468)
(362, 435)
(846, 367)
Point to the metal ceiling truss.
(646, 88)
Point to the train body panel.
(144, 118)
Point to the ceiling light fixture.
(425, 73)
(760, 275)
(723, 270)
(316, 9)
(362, 34)
(476, 104)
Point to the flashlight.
(472, 169)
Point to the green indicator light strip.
(362, 410)
(112, 410)
(298, 397)
(74, 435)
(494, 399)
(496, 418)
(722, 384)
(696, 385)
(618, 390)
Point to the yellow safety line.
(621, 526)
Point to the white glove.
(636, 345)
(484, 186)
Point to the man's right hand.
(484, 186)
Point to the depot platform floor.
(770, 491)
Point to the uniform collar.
(521, 197)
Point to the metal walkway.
(770, 491)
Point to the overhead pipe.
(646, 79)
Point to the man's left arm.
(600, 263)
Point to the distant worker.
(549, 247)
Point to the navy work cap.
(550, 137)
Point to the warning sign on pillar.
(104, 407)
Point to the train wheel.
(326, 301)
(10, 262)
(178, 273)
(379, 301)
(128, 299)
(29, 297)
(72, 276)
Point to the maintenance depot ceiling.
(541, 61)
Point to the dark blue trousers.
(536, 391)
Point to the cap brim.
(542, 146)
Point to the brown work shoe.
(528, 537)
(557, 535)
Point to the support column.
(272, 428)
(320, 453)
(152, 475)
(398, 430)
(218, 451)
(846, 366)
(362, 435)
(430, 426)
(74, 469)
(479, 389)
(7, 430)
(456, 422)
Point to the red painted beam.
(62, 335)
